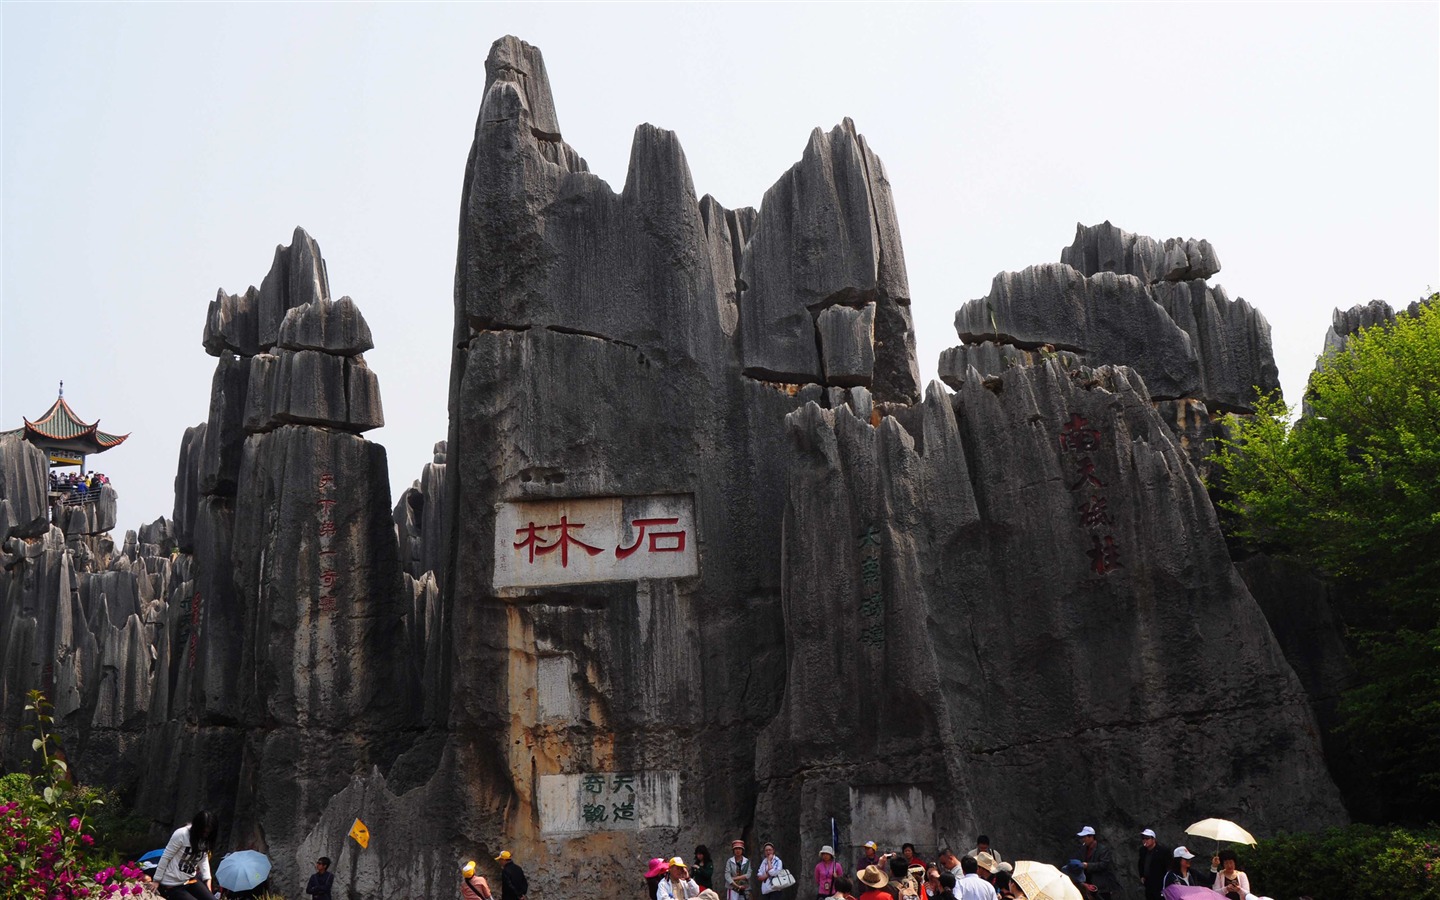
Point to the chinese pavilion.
(65, 437)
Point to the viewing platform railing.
(72, 497)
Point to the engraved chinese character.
(872, 605)
(1104, 557)
(624, 812)
(674, 539)
(326, 507)
(594, 784)
(873, 636)
(594, 812)
(329, 577)
(1087, 475)
(869, 569)
(1077, 435)
(327, 529)
(1093, 513)
(327, 482)
(625, 781)
(869, 537)
(530, 540)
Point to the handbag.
(778, 881)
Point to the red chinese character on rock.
(327, 481)
(328, 578)
(1093, 513)
(327, 529)
(1087, 474)
(676, 538)
(1104, 557)
(530, 540)
(325, 507)
(1077, 435)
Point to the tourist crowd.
(978, 874)
(77, 484)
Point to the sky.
(154, 153)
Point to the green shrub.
(47, 834)
(1344, 863)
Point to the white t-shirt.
(973, 887)
(178, 865)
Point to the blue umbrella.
(242, 870)
(153, 854)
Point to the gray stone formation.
(1121, 298)
(700, 557)
(939, 609)
(257, 653)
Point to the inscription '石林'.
(595, 539)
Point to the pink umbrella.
(1184, 892)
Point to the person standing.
(911, 857)
(704, 870)
(971, 886)
(513, 885)
(949, 862)
(1179, 869)
(825, 871)
(982, 845)
(1230, 881)
(1098, 863)
(770, 866)
(184, 870)
(320, 883)
(870, 857)
(875, 881)
(473, 885)
(679, 885)
(1152, 864)
(737, 872)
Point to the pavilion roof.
(61, 428)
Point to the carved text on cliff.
(594, 539)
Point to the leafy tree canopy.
(1353, 489)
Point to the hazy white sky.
(154, 153)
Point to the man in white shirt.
(972, 886)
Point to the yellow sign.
(360, 833)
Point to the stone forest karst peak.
(701, 556)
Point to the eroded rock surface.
(697, 559)
(255, 654)
(909, 557)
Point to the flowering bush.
(47, 833)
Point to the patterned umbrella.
(1042, 881)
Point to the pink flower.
(135, 891)
(87, 840)
(74, 823)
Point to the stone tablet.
(595, 539)
(609, 801)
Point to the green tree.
(1353, 489)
